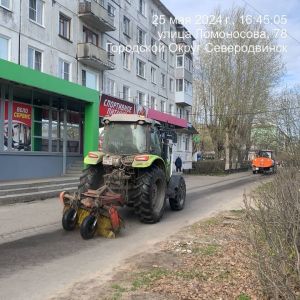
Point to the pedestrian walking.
(178, 164)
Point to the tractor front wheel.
(151, 204)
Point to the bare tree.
(232, 87)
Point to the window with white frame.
(141, 36)
(64, 26)
(162, 106)
(187, 114)
(188, 64)
(179, 61)
(89, 79)
(111, 87)
(172, 60)
(171, 109)
(64, 69)
(142, 7)
(163, 54)
(5, 3)
(4, 48)
(36, 11)
(188, 87)
(171, 85)
(126, 25)
(153, 23)
(179, 85)
(111, 10)
(140, 68)
(153, 46)
(179, 142)
(187, 144)
(34, 59)
(111, 56)
(126, 92)
(126, 60)
(141, 98)
(153, 102)
(163, 80)
(153, 75)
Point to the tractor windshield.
(122, 138)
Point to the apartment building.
(74, 41)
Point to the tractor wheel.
(178, 202)
(92, 178)
(150, 204)
(88, 227)
(69, 219)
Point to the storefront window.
(35, 121)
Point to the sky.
(290, 8)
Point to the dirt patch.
(207, 260)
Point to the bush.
(273, 230)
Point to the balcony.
(95, 57)
(95, 15)
(183, 98)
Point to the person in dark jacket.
(178, 164)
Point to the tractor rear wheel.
(92, 178)
(150, 204)
(178, 202)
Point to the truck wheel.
(92, 178)
(88, 227)
(178, 202)
(151, 204)
(69, 219)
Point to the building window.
(111, 87)
(90, 36)
(111, 10)
(34, 59)
(140, 98)
(5, 3)
(64, 26)
(179, 85)
(64, 70)
(163, 54)
(171, 85)
(126, 23)
(153, 102)
(111, 56)
(36, 10)
(153, 46)
(4, 46)
(162, 106)
(140, 68)
(187, 144)
(188, 87)
(171, 109)
(126, 60)
(141, 36)
(153, 75)
(163, 80)
(142, 7)
(172, 60)
(187, 115)
(126, 93)
(89, 79)
(179, 61)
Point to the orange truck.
(264, 162)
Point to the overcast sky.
(290, 8)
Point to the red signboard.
(21, 113)
(110, 105)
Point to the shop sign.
(110, 105)
(21, 126)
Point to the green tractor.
(135, 160)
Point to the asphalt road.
(39, 260)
